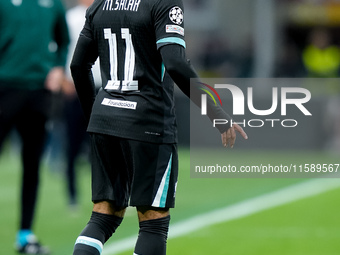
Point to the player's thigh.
(108, 207)
(151, 213)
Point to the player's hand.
(68, 88)
(54, 79)
(229, 137)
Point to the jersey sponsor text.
(119, 103)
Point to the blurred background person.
(33, 48)
(322, 60)
(76, 136)
(321, 57)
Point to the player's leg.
(153, 193)
(31, 127)
(104, 221)
(153, 230)
(111, 180)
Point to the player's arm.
(83, 59)
(181, 71)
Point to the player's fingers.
(224, 139)
(232, 138)
(241, 131)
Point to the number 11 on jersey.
(128, 84)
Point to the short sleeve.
(169, 23)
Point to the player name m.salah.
(121, 5)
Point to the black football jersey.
(136, 100)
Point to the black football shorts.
(134, 173)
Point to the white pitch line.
(239, 210)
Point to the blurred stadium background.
(225, 38)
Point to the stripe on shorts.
(162, 192)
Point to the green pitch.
(305, 227)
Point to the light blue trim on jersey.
(172, 40)
(162, 192)
(90, 242)
(163, 72)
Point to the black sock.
(152, 237)
(98, 230)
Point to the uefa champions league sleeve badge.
(176, 15)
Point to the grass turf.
(305, 227)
